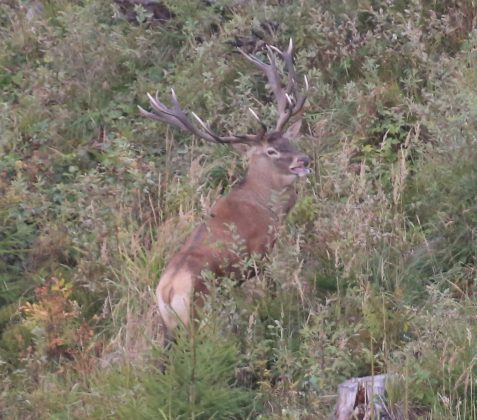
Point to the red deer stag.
(253, 210)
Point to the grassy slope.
(375, 271)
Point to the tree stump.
(362, 398)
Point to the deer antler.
(176, 117)
(289, 101)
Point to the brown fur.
(250, 214)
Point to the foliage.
(197, 382)
(375, 270)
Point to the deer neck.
(266, 191)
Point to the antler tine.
(161, 113)
(272, 75)
(254, 114)
(182, 117)
(247, 139)
(299, 97)
(287, 57)
(251, 58)
(263, 127)
(275, 82)
(216, 138)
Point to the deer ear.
(294, 130)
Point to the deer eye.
(272, 152)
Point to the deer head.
(272, 157)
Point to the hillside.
(374, 272)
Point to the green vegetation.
(376, 270)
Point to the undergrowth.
(374, 272)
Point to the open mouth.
(300, 170)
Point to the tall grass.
(373, 272)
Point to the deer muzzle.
(300, 165)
